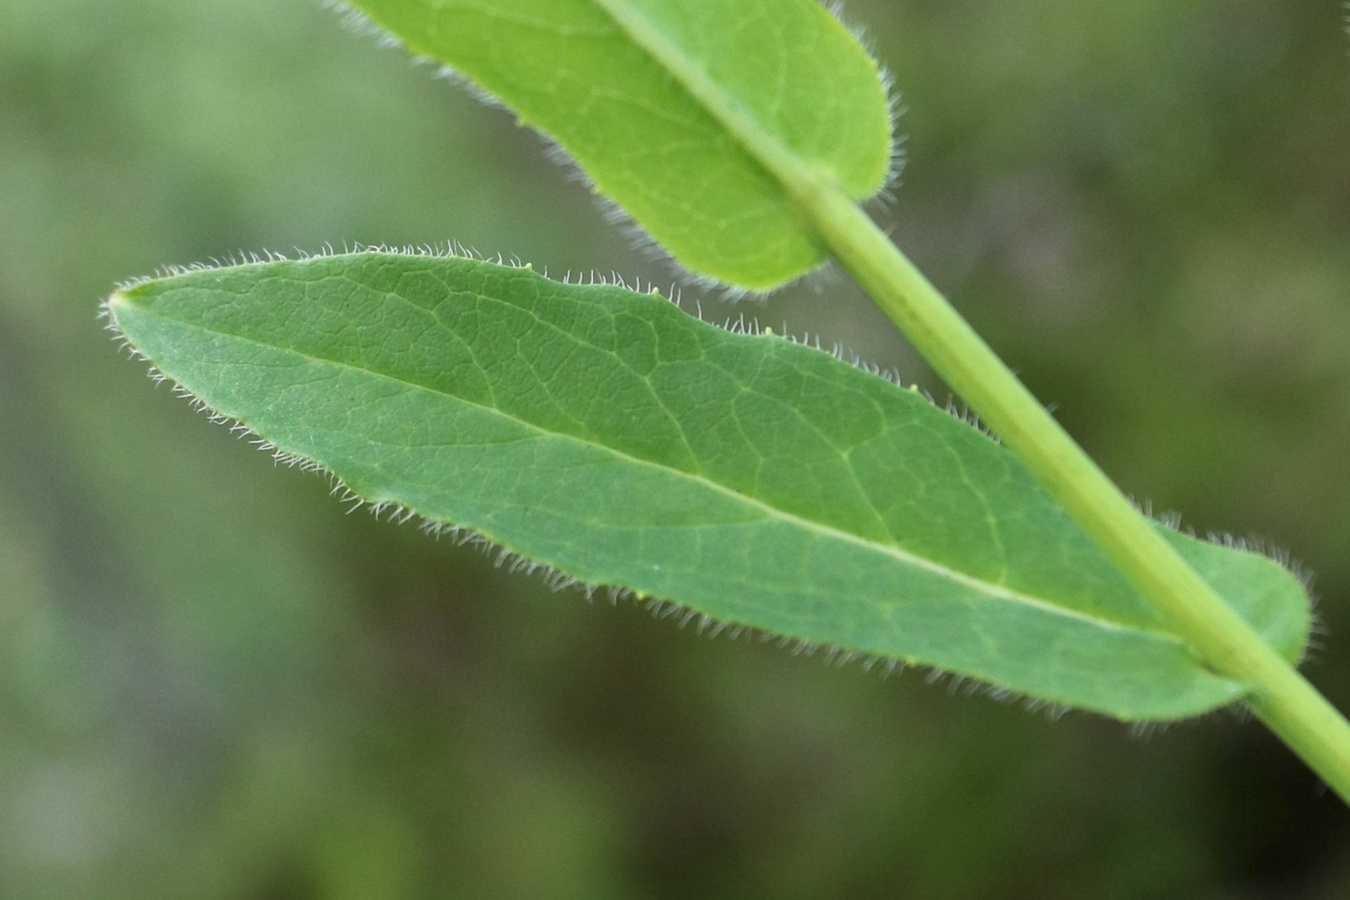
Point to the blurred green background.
(216, 684)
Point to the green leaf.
(700, 118)
(750, 479)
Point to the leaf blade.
(680, 111)
(608, 435)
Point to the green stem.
(1287, 703)
(1279, 695)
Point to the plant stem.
(1283, 699)
(1280, 696)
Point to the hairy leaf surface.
(690, 114)
(760, 482)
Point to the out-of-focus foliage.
(213, 683)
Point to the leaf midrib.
(901, 555)
(795, 174)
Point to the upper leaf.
(700, 118)
(754, 480)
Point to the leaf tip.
(115, 299)
(108, 309)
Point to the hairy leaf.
(700, 118)
(751, 479)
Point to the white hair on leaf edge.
(555, 579)
(503, 557)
